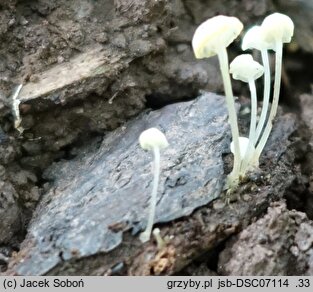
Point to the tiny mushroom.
(211, 38)
(244, 68)
(158, 238)
(152, 139)
(254, 39)
(277, 29)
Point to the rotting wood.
(86, 241)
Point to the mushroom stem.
(252, 133)
(254, 102)
(157, 236)
(233, 178)
(277, 82)
(266, 94)
(145, 235)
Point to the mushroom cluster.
(211, 38)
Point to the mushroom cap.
(254, 39)
(151, 138)
(277, 27)
(215, 33)
(243, 146)
(244, 68)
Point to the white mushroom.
(214, 34)
(277, 29)
(211, 38)
(244, 68)
(254, 39)
(152, 139)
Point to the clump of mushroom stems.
(275, 30)
(212, 38)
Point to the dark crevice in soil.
(299, 66)
(300, 196)
(206, 264)
(158, 100)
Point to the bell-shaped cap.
(254, 39)
(277, 27)
(243, 146)
(151, 138)
(214, 34)
(244, 68)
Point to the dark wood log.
(89, 220)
